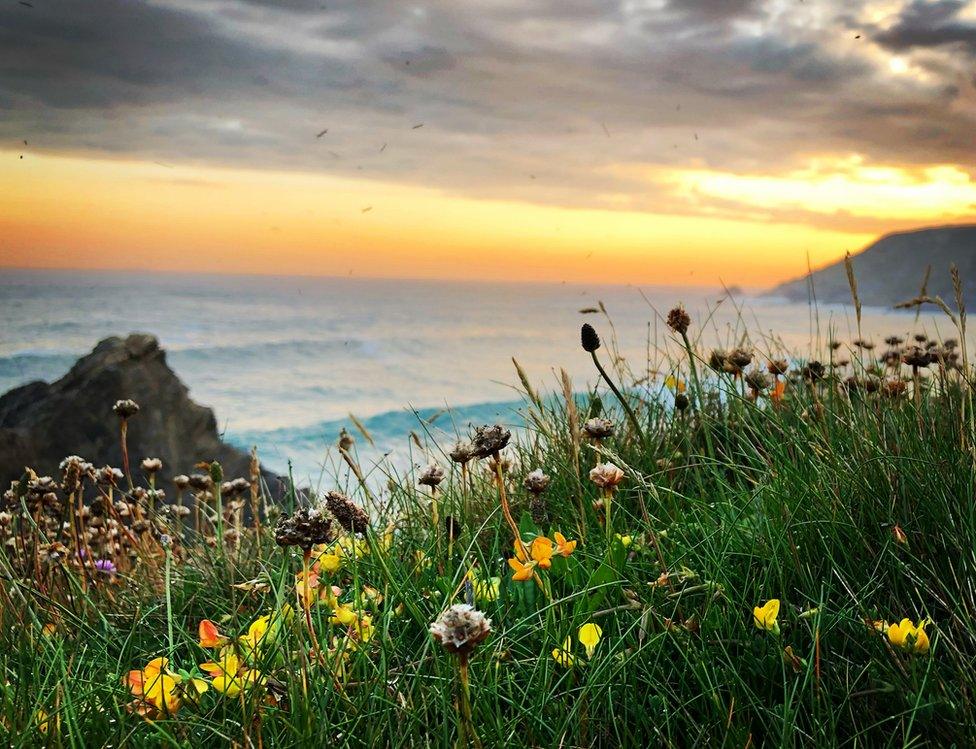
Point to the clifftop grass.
(844, 496)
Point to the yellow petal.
(589, 635)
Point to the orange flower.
(210, 636)
(523, 571)
(563, 546)
(156, 688)
(779, 390)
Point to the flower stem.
(623, 402)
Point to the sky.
(640, 141)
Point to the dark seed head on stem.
(589, 338)
(350, 516)
(489, 440)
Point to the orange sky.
(58, 211)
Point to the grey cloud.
(507, 91)
(930, 24)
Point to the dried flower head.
(200, 482)
(589, 338)
(813, 371)
(716, 360)
(777, 367)
(598, 428)
(606, 475)
(681, 402)
(536, 481)
(917, 357)
(758, 381)
(350, 516)
(125, 409)
(306, 528)
(460, 628)
(346, 440)
(462, 453)
(431, 476)
(152, 465)
(182, 481)
(109, 476)
(894, 340)
(73, 471)
(489, 440)
(740, 358)
(679, 320)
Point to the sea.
(285, 361)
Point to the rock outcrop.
(41, 423)
(892, 269)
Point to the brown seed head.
(350, 516)
(460, 628)
(679, 320)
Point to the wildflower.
(105, 566)
(152, 465)
(462, 453)
(485, 591)
(255, 633)
(739, 359)
(606, 475)
(675, 384)
(351, 517)
(716, 360)
(489, 440)
(563, 546)
(679, 320)
(156, 687)
(765, 617)
(182, 481)
(431, 476)
(330, 562)
(460, 628)
(210, 636)
(908, 636)
(589, 338)
(625, 541)
(777, 367)
(306, 528)
(564, 655)
(41, 719)
(522, 570)
(125, 409)
(814, 371)
(536, 481)
(899, 535)
(589, 636)
(598, 428)
(230, 675)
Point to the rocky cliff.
(892, 269)
(41, 423)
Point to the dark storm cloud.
(516, 97)
(931, 24)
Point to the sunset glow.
(480, 141)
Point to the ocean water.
(284, 360)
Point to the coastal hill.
(891, 270)
(42, 423)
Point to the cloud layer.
(568, 102)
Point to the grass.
(850, 501)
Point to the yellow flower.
(563, 547)
(589, 635)
(485, 590)
(330, 562)
(908, 636)
(765, 616)
(343, 614)
(564, 656)
(675, 384)
(230, 675)
(255, 634)
(41, 718)
(157, 686)
(625, 541)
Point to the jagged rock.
(41, 423)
